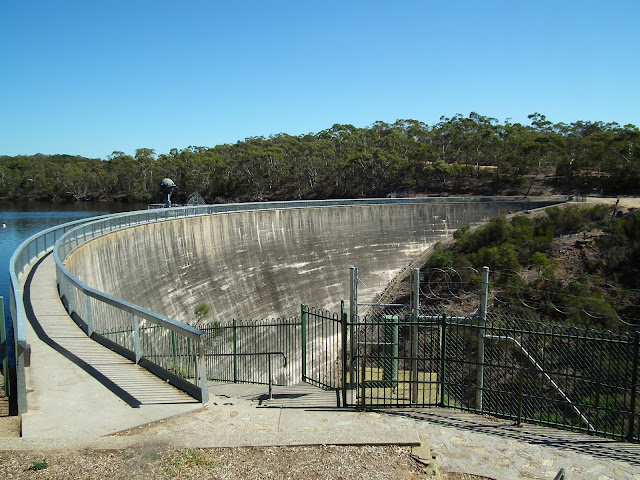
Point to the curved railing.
(171, 349)
(27, 252)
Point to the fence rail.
(555, 375)
(581, 379)
(89, 304)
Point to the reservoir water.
(20, 220)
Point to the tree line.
(458, 155)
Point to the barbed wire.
(533, 291)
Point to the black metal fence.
(558, 375)
(246, 351)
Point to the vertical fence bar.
(481, 335)
(235, 351)
(89, 317)
(443, 360)
(202, 371)
(414, 300)
(343, 330)
(136, 338)
(362, 382)
(520, 396)
(634, 386)
(353, 314)
(3, 349)
(303, 319)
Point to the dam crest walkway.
(74, 379)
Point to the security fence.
(556, 375)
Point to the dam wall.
(259, 264)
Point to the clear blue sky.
(93, 76)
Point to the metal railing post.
(443, 360)
(481, 334)
(90, 327)
(202, 370)
(362, 382)
(235, 351)
(343, 330)
(270, 378)
(353, 314)
(520, 396)
(3, 349)
(136, 338)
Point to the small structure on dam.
(167, 186)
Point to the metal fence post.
(3, 348)
(414, 300)
(520, 396)
(136, 338)
(303, 320)
(202, 371)
(345, 366)
(235, 351)
(353, 314)
(481, 334)
(69, 301)
(634, 386)
(90, 327)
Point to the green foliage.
(458, 154)
(462, 236)
(440, 258)
(35, 466)
(507, 245)
(539, 259)
(200, 312)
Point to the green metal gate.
(398, 361)
(323, 347)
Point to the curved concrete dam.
(260, 264)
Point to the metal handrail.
(80, 231)
(31, 249)
(540, 369)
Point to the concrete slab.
(76, 387)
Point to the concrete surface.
(253, 265)
(241, 415)
(73, 381)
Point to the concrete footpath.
(241, 415)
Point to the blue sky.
(93, 76)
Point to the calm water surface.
(20, 220)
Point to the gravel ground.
(156, 461)
(237, 463)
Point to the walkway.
(83, 396)
(75, 382)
